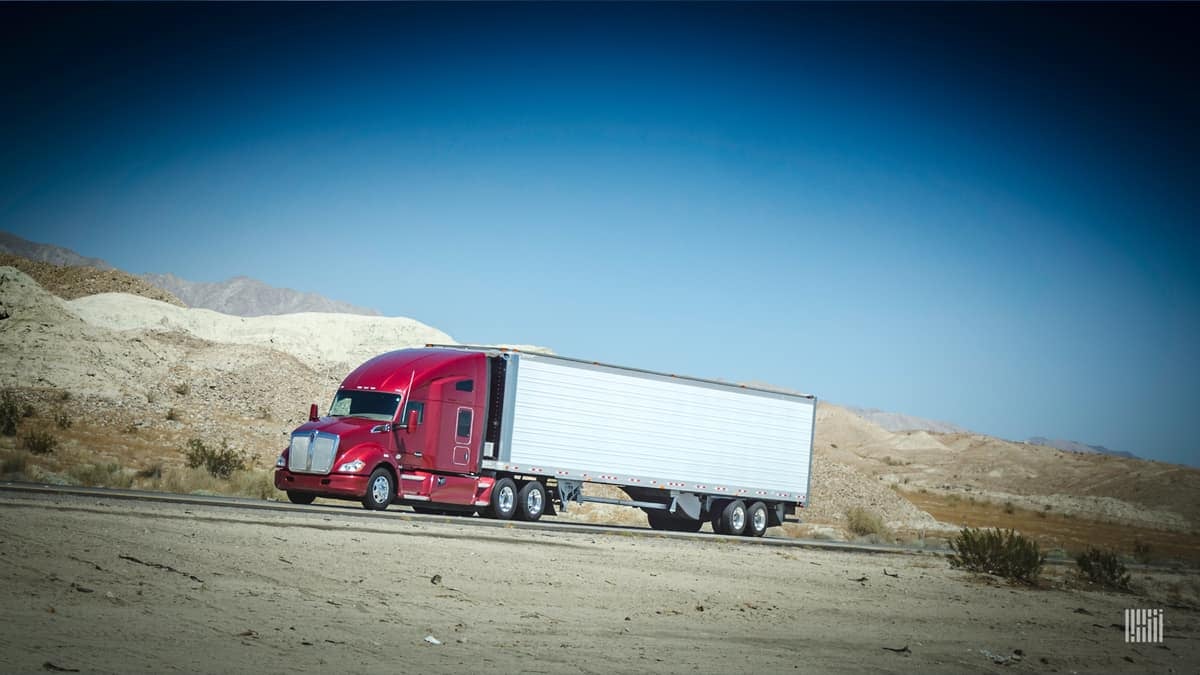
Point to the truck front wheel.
(380, 490)
(504, 500)
(531, 501)
(300, 497)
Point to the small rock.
(436, 579)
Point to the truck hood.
(340, 426)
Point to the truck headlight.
(352, 467)
(280, 462)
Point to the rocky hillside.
(11, 244)
(77, 281)
(243, 296)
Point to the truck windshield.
(372, 405)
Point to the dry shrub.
(220, 462)
(1142, 551)
(101, 475)
(63, 421)
(864, 522)
(39, 442)
(253, 483)
(9, 414)
(1104, 568)
(1004, 553)
(15, 463)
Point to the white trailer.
(684, 449)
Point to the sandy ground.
(117, 586)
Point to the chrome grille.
(312, 452)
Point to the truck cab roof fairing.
(394, 371)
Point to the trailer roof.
(486, 349)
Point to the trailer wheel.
(504, 500)
(756, 520)
(380, 490)
(732, 519)
(300, 497)
(531, 501)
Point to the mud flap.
(686, 503)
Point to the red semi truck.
(511, 434)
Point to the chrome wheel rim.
(505, 499)
(380, 488)
(533, 502)
(738, 519)
(760, 520)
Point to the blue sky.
(984, 214)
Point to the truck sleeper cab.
(509, 434)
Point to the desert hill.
(77, 281)
(141, 377)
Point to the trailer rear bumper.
(349, 486)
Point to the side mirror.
(411, 421)
(312, 413)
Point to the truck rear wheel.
(756, 520)
(380, 490)
(531, 501)
(732, 519)
(300, 497)
(504, 500)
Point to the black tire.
(757, 520)
(300, 497)
(658, 520)
(732, 519)
(504, 500)
(381, 489)
(531, 501)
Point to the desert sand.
(117, 586)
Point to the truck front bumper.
(339, 485)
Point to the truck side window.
(465, 385)
(464, 423)
(419, 406)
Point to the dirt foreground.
(118, 586)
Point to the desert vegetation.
(1103, 568)
(1004, 553)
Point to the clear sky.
(984, 214)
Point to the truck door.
(459, 427)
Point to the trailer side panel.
(616, 425)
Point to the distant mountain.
(48, 253)
(243, 296)
(1072, 446)
(900, 422)
(239, 296)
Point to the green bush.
(1004, 553)
(1103, 567)
(219, 462)
(9, 414)
(864, 522)
(39, 442)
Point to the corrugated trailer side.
(577, 420)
